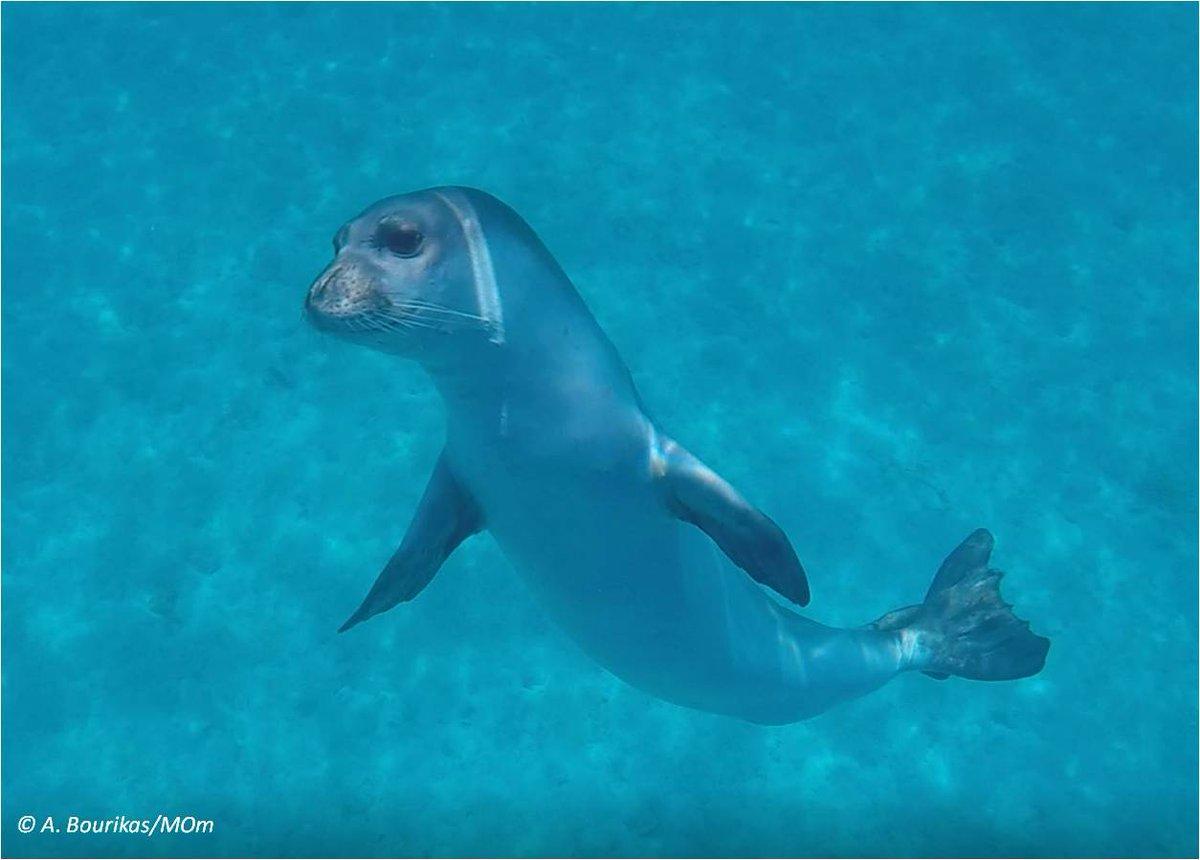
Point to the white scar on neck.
(486, 294)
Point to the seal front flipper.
(698, 495)
(446, 516)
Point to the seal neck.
(553, 359)
(545, 355)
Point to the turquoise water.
(896, 272)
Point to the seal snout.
(340, 296)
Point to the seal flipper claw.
(698, 495)
(445, 517)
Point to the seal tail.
(964, 628)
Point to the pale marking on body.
(486, 293)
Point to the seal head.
(407, 269)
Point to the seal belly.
(649, 597)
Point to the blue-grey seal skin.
(652, 562)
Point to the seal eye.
(403, 240)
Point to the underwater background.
(895, 271)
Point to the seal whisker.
(381, 322)
(415, 320)
(392, 322)
(447, 315)
(428, 306)
(409, 321)
(423, 303)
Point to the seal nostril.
(320, 285)
(315, 294)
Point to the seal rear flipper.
(964, 627)
(698, 495)
(972, 554)
(445, 517)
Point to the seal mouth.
(350, 321)
(336, 323)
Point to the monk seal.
(651, 561)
